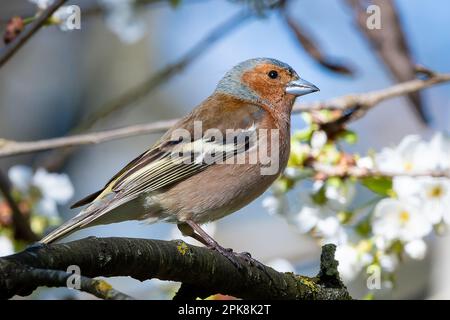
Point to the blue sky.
(331, 24)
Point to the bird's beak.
(300, 87)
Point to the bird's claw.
(247, 257)
(230, 255)
(236, 258)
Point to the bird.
(209, 164)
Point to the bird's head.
(264, 79)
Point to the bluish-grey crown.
(231, 83)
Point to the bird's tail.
(62, 231)
(80, 221)
(90, 216)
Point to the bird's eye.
(273, 74)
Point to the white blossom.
(296, 173)
(299, 148)
(328, 227)
(54, 186)
(6, 246)
(431, 194)
(122, 19)
(435, 196)
(406, 157)
(416, 249)
(42, 4)
(60, 16)
(20, 177)
(350, 264)
(47, 207)
(323, 221)
(388, 262)
(275, 204)
(406, 188)
(310, 215)
(63, 17)
(341, 195)
(322, 217)
(332, 231)
(439, 152)
(416, 155)
(318, 140)
(381, 243)
(365, 163)
(394, 219)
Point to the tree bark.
(202, 271)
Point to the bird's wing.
(177, 160)
(160, 166)
(165, 164)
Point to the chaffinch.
(217, 159)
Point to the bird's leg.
(187, 231)
(199, 234)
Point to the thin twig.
(327, 171)
(371, 99)
(364, 101)
(97, 9)
(58, 278)
(306, 40)
(162, 76)
(56, 159)
(390, 44)
(7, 52)
(9, 148)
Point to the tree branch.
(142, 259)
(7, 52)
(9, 148)
(57, 158)
(96, 9)
(369, 100)
(390, 44)
(356, 102)
(354, 107)
(327, 171)
(306, 40)
(57, 278)
(154, 81)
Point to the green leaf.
(320, 197)
(303, 135)
(379, 185)
(283, 184)
(334, 182)
(363, 228)
(349, 136)
(345, 216)
(369, 296)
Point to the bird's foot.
(250, 260)
(229, 254)
(255, 263)
(236, 257)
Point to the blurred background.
(61, 78)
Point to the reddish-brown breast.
(224, 188)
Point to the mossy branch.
(202, 271)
